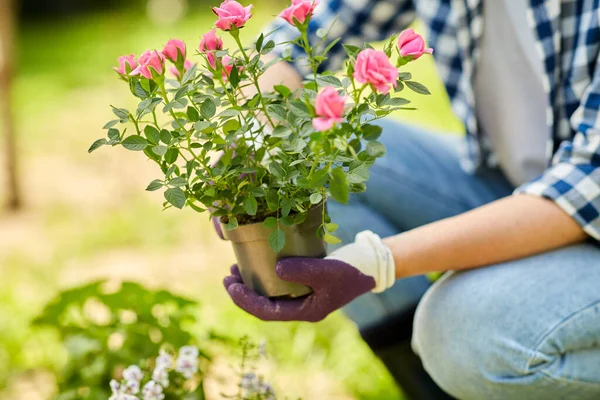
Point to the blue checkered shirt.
(568, 42)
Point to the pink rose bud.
(330, 109)
(173, 49)
(374, 67)
(126, 64)
(150, 59)
(300, 11)
(411, 44)
(186, 65)
(232, 14)
(209, 44)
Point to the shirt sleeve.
(354, 21)
(573, 180)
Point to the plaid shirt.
(568, 42)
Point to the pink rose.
(300, 10)
(173, 48)
(210, 43)
(411, 44)
(374, 67)
(126, 64)
(330, 109)
(186, 65)
(232, 14)
(150, 59)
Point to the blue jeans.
(527, 329)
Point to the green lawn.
(87, 216)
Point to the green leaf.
(371, 132)
(277, 240)
(417, 87)
(259, 42)
(250, 205)
(277, 111)
(300, 109)
(316, 198)
(270, 223)
(351, 50)
(176, 197)
(359, 174)
(154, 185)
(339, 186)
(276, 169)
(268, 48)
(281, 131)
(179, 181)
(331, 227)
(135, 143)
(110, 124)
(122, 113)
(152, 134)
(160, 150)
(172, 155)
(375, 149)
(234, 77)
(208, 109)
(257, 192)
(395, 102)
(330, 239)
(192, 114)
(97, 144)
(286, 207)
(114, 134)
(165, 136)
(405, 76)
(232, 224)
(329, 80)
(189, 75)
(283, 90)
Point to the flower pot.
(257, 260)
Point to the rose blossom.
(173, 48)
(411, 44)
(232, 14)
(210, 43)
(124, 62)
(375, 68)
(330, 109)
(150, 59)
(186, 65)
(300, 10)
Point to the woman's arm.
(507, 229)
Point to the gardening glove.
(353, 270)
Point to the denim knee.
(473, 352)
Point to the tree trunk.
(7, 25)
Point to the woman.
(519, 318)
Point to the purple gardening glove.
(334, 281)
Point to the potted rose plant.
(263, 162)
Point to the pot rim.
(258, 232)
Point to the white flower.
(119, 393)
(189, 351)
(187, 361)
(133, 373)
(161, 375)
(164, 360)
(153, 391)
(131, 387)
(187, 366)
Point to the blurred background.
(69, 218)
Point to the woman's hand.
(335, 282)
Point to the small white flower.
(164, 360)
(189, 351)
(131, 387)
(114, 386)
(250, 382)
(187, 366)
(153, 391)
(133, 373)
(161, 375)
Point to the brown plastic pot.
(257, 260)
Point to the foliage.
(274, 164)
(107, 329)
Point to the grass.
(88, 216)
